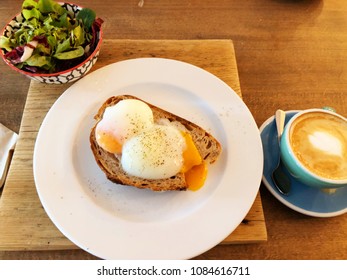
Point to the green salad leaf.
(87, 16)
(49, 6)
(79, 51)
(58, 35)
(39, 60)
(6, 43)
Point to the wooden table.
(290, 55)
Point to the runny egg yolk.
(196, 176)
(194, 168)
(109, 143)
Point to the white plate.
(120, 222)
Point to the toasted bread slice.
(208, 147)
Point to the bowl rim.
(97, 48)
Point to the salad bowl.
(71, 63)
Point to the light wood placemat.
(24, 224)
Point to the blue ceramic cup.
(314, 148)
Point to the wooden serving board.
(24, 224)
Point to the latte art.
(319, 141)
(325, 142)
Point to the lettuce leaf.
(7, 44)
(87, 16)
(60, 37)
(78, 52)
(49, 6)
(39, 61)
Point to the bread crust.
(208, 147)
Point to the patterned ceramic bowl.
(62, 77)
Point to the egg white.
(155, 153)
(124, 120)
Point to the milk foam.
(319, 141)
(326, 142)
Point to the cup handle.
(329, 109)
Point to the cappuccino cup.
(314, 148)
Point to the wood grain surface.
(291, 54)
(23, 222)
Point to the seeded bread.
(208, 147)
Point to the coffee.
(319, 141)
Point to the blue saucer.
(304, 199)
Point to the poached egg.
(122, 121)
(147, 149)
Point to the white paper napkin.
(8, 140)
